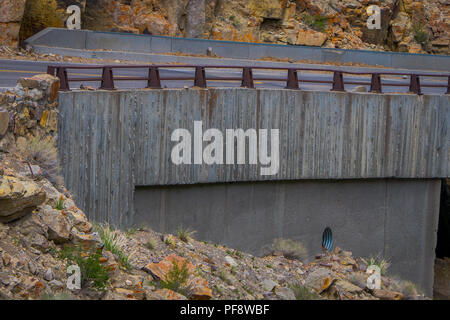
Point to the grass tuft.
(114, 242)
(379, 261)
(185, 234)
(290, 249)
(41, 151)
(151, 244)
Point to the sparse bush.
(420, 34)
(290, 249)
(317, 22)
(60, 203)
(379, 261)
(92, 271)
(304, 293)
(40, 150)
(176, 279)
(114, 241)
(185, 234)
(151, 244)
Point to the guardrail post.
(414, 85)
(338, 81)
(61, 73)
(292, 80)
(200, 77)
(448, 85)
(375, 83)
(154, 81)
(107, 79)
(51, 70)
(247, 78)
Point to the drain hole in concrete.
(327, 239)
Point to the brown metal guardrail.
(247, 80)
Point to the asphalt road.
(12, 70)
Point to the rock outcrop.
(406, 25)
(11, 12)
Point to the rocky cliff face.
(407, 25)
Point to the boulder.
(18, 197)
(58, 225)
(4, 121)
(285, 293)
(311, 38)
(162, 268)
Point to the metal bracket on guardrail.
(292, 80)
(61, 73)
(448, 85)
(338, 81)
(375, 83)
(200, 77)
(154, 81)
(107, 79)
(247, 78)
(51, 70)
(414, 85)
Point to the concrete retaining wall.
(394, 218)
(94, 40)
(115, 142)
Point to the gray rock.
(48, 275)
(32, 268)
(230, 261)
(56, 284)
(268, 285)
(285, 293)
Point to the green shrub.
(316, 22)
(420, 34)
(92, 271)
(60, 204)
(176, 279)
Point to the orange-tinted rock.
(166, 294)
(162, 268)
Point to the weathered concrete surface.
(380, 155)
(395, 218)
(112, 141)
